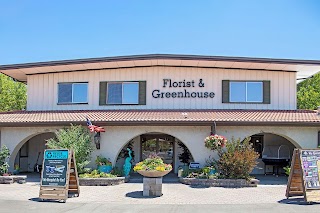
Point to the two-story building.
(158, 103)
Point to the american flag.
(94, 128)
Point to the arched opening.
(28, 154)
(275, 152)
(168, 147)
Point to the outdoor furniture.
(275, 156)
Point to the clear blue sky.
(32, 31)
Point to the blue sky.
(32, 31)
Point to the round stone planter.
(102, 181)
(153, 173)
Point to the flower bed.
(96, 178)
(102, 181)
(229, 183)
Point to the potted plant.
(153, 166)
(103, 164)
(16, 170)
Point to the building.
(154, 102)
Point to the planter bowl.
(105, 168)
(153, 173)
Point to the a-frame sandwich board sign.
(59, 176)
(304, 175)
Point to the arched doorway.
(275, 152)
(29, 153)
(168, 147)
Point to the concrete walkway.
(267, 197)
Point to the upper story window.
(126, 93)
(246, 92)
(72, 93)
(123, 93)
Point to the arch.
(297, 145)
(148, 132)
(15, 151)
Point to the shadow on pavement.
(296, 201)
(138, 194)
(36, 199)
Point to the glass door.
(161, 145)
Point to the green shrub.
(97, 174)
(238, 159)
(77, 138)
(287, 170)
(203, 173)
(117, 171)
(100, 161)
(4, 155)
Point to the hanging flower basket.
(215, 142)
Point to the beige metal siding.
(42, 89)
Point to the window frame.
(122, 82)
(72, 95)
(246, 92)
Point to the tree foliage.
(308, 93)
(76, 138)
(13, 95)
(4, 155)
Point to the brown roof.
(161, 117)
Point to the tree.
(308, 93)
(4, 155)
(77, 138)
(13, 95)
(185, 156)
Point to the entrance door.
(162, 145)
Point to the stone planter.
(13, 178)
(229, 183)
(152, 182)
(153, 173)
(102, 181)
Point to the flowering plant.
(100, 161)
(153, 162)
(214, 142)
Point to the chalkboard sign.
(311, 166)
(304, 175)
(55, 166)
(59, 176)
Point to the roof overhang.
(304, 68)
(297, 118)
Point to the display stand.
(304, 175)
(59, 176)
